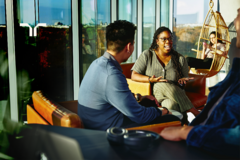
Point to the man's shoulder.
(103, 64)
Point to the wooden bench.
(45, 111)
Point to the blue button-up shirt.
(104, 97)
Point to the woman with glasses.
(207, 54)
(167, 70)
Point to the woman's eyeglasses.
(164, 39)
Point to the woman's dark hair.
(218, 36)
(154, 45)
(175, 55)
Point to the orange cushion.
(54, 113)
(34, 117)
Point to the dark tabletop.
(94, 145)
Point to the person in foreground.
(217, 127)
(104, 99)
(161, 61)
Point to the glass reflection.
(148, 22)
(95, 18)
(128, 11)
(44, 62)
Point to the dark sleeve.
(217, 139)
(119, 96)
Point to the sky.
(196, 10)
(89, 8)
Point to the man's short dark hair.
(119, 34)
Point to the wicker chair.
(213, 22)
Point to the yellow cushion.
(139, 87)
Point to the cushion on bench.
(33, 117)
(54, 113)
(138, 87)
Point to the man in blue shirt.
(104, 97)
(217, 127)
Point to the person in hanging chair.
(208, 53)
(217, 128)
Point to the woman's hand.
(151, 98)
(157, 79)
(204, 46)
(185, 80)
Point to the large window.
(44, 61)
(95, 18)
(43, 42)
(148, 23)
(189, 16)
(128, 11)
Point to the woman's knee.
(170, 104)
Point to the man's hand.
(165, 111)
(176, 133)
(157, 79)
(151, 98)
(185, 80)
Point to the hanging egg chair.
(213, 22)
